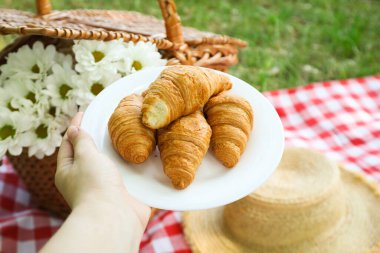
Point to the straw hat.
(308, 205)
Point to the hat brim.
(358, 232)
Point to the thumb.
(65, 155)
(81, 141)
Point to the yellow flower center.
(35, 69)
(63, 90)
(96, 88)
(98, 56)
(7, 131)
(42, 131)
(10, 107)
(31, 96)
(52, 111)
(137, 65)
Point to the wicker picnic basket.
(179, 45)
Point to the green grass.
(290, 42)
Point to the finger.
(77, 119)
(65, 154)
(81, 141)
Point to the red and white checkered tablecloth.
(339, 118)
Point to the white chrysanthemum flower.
(46, 137)
(89, 87)
(12, 132)
(98, 56)
(125, 66)
(2, 79)
(61, 88)
(64, 59)
(33, 63)
(27, 96)
(7, 94)
(143, 55)
(63, 121)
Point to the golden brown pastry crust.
(231, 121)
(178, 91)
(130, 138)
(182, 145)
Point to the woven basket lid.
(104, 25)
(182, 45)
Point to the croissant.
(179, 91)
(182, 145)
(231, 121)
(131, 139)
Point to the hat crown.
(302, 176)
(301, 200)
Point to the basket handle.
(43, 7)
(173, 29)
(172, 21)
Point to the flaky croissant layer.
(231, 121)
(182, 145)
(179, 91)
(131, 139)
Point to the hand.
(87, 177)
(104, 217)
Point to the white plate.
(214, 185)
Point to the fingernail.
(72, 132)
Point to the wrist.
(120, 208)
(107, 216)
(105, 225)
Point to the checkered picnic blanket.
(339, 118)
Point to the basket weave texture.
(38, 176)
(179, 45)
